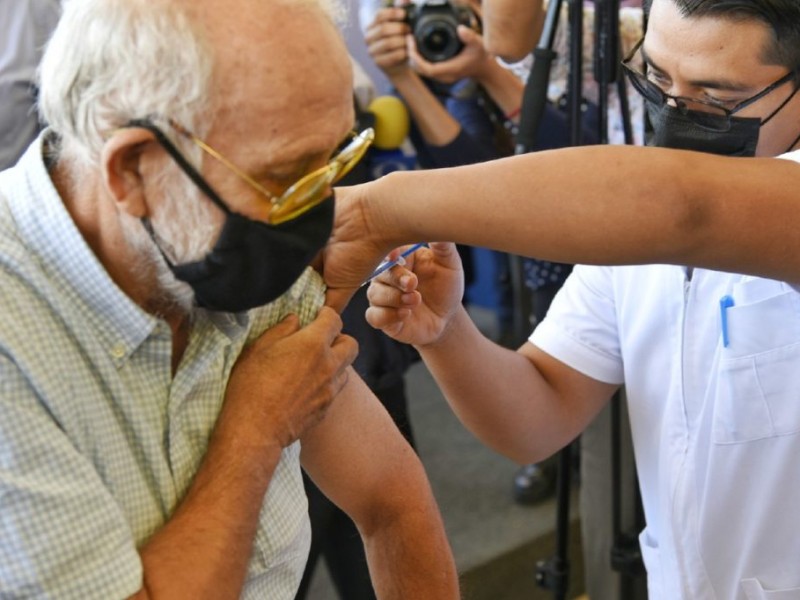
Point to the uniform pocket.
(753, 589)
(758, 388)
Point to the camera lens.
(435, 26)
(437, 40)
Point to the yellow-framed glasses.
(309, 190)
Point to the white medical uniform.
(716, 427)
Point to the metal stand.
(626, 556)
(553, 573)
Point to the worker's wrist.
(384, 218)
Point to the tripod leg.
(553, 574)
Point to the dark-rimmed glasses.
(309, 190)
(704, 113)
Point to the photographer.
(709, 358)
(451, 126)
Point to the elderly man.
(709, 358)
(163, 353)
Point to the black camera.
(434, 26)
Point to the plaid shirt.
(98, 441)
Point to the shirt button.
(118, 351)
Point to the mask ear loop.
(184, 164)
(784, 103)
(777, 110)
(187, 168)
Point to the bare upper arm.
(359, 458)
(579, 396)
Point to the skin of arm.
(592, 205)
(359, 459)
(538, 404)
(511, 28)
(525, 404)
(204, 549)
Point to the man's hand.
(283, 383)
(414, 304)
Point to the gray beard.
(185, 222)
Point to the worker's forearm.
(606, 205)
(498, 394)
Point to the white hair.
(336, 10)
(110, 61)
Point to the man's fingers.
(327, 325)
(346, 348)
(289, 325)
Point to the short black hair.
(781, 16)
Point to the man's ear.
(122, 168)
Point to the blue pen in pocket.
(724, 304)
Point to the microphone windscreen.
(391, 122)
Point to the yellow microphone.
(391, 122)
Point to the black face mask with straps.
(727, 136)
(673, 128)
(252, 263)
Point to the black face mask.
(252, 263)
(674, 129)
(731, 136)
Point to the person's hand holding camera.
(473, 61)
(452, 50)
(386, 39)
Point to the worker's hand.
(361, 238)
(283, 383)
(416, 302)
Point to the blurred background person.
(512, 29)
(26, 26)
